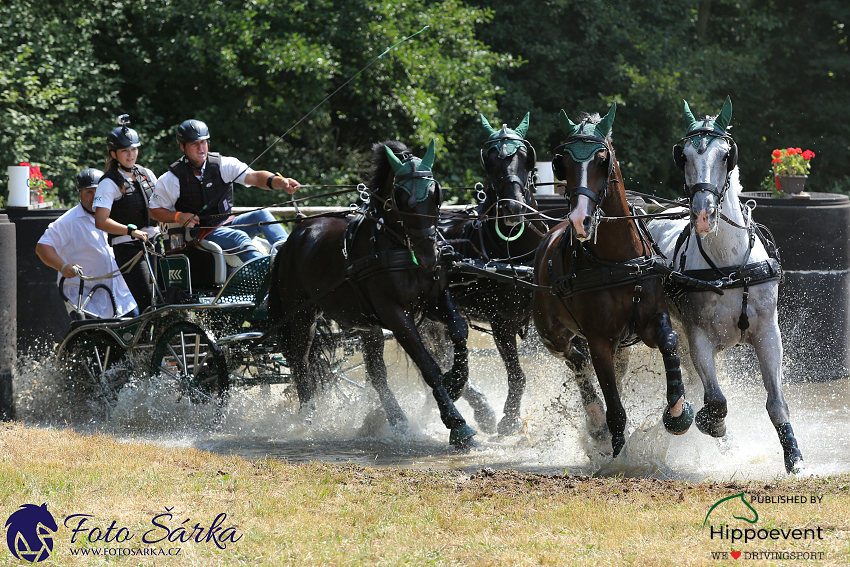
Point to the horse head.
(586, 162)
(707, 155)
(508, 160)
(412, 199)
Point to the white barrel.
(545, 175)
(19, 190)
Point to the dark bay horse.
(377, 270)
(505, 239)
(721, 243)
(601, 279)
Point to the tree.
(55, 95)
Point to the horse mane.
(380, 164)
(594, 118)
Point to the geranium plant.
(37, 182)
(792, 161)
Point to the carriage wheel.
(94, 363)
(188, 353)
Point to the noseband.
(597, 198)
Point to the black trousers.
(138, 278)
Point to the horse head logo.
(743, 500)
(29, 531)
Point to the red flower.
(808, 154)
(791, 151)
(799, 151)
(777, 153)
(24, 164)
(48, 183)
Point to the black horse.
(377, 270)
(503, 235)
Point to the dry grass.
(320, 514)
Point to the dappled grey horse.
(721, 244)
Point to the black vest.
(210, 190)
(132, 207)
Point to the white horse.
(721, 244)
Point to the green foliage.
(55, 96)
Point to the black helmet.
(123, 136)
(192, 131)
(88, 178)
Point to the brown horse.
(377, 270)
(602, 280)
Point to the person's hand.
(286, 183)
(139, 235)
(187, 219)
(70, 270)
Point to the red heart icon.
(735, 554)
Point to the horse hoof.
(509, 426)
(461, 436)
(454, 384)
(794, 462)
(485, 417)
(679, 425)
(617, 442)
(709, 426)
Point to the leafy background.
(251, 69)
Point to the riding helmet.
(88, 178)
(192, 131)
(123, 136)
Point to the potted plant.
(38, 185)
(790, 169)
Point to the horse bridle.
(531, 160)
(731, 159)
(414, 235)
(596, 198)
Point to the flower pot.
(791, 184)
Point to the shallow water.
(347, 424)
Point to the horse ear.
(567, 125)
(395, 163)
(604, 126)
(523, 126)
(428, 160)
(725, 114)
(486, 125)
(688, 115)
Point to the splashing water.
(347, 424)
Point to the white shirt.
(78, 241)
(108, 192)
(168, 187)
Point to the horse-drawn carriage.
(205, 332)
(589, 291)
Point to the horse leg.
(602, 353)
(446, 313)
(504, 336)
(296, 340)
(711, 418)
(577, 360)
(406, 334)
(372, 342)
(484, 415)
(678, 415)
(768, 346)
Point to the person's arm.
(106, 224)
(51, 258)
(166, 215)
(265, 178)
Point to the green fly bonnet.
(506, 140)
(586, 138)
(701, 133)
(413, 175)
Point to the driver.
(73, 241)
(201, 183)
